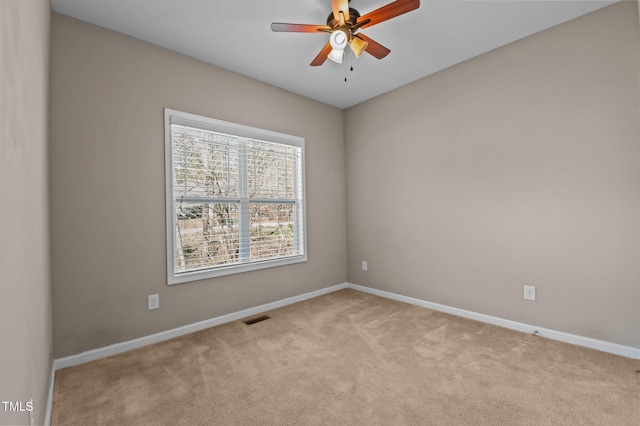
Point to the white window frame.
(205, 123)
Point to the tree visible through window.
(236, 197)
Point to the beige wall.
(521, 166)
(518, 167)
(108, 92)
(25, 295)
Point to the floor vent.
(257, 319)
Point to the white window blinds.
(237, 200)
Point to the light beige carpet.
(349, 358)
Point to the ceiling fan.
(342, 25)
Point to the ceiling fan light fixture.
(358, 46)
(338, 41)
(336, 56)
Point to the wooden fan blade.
(389, 11)
(340, 6)
(374, 48)
(299, 28)
(322, 56)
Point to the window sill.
(232, 269)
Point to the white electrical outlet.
(529, 292)
(154, 301)
(364, 265)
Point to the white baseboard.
(117, 348)
(49, 407)
(600, 345)
(180, 331)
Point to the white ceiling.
(236, 35)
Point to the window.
(235, 198)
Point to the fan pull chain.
(351, 61)
(350, 64)
(345, 66)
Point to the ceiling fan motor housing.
(353, 17)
